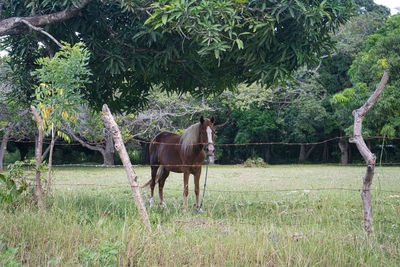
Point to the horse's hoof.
(151, 202)
(199, 210)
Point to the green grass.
(252, 216)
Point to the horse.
(170, 152)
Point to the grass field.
(275, 216)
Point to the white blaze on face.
(210, 141)
(209, 134)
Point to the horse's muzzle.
(210, 149)
(210, 153)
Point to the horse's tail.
(160, 171)
(147, 184)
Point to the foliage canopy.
(201, 47)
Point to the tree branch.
(44, 32)
(84, 144)
(16, 25)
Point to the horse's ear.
(201, 119)
(212, 119)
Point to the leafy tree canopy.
(382, 52)
(201, 47)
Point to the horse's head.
(207, 133)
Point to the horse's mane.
(189, 138)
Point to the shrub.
(255, 162)
(16, 187)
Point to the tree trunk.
(108, 154)
(108, 158)
(145, 156)
(106, 151)
(46, 152)
(132, 177)
(48, 185)
(325, 152)
(344, 150)
(369, 158)
(38, 152)
(23, 149)
(304, 153)
(3, 145)
(267, 153)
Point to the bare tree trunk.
(344, 150)
(48, 185)
(369, 158)
(3, 145)
(132, 177)
(38, 153)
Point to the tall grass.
(252, 216)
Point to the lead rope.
(204, 189)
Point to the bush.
(15, 185)
(255, 162)
(11, 156)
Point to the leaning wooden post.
(132, 177)
(369, 158)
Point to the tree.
(57, 100)
(249, 42)
(330, 76)
(164, 112)
(381, 52)
(90, 133)
(304, 117)
(12, 115)
(245, 115)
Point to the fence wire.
(233, 191)
(97, 142)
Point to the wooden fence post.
(132, 177)
(369, 158)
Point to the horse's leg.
(153, 183)
(185, 189)
(161, 183)
(197, 186)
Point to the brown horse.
(184, 153)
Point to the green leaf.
(164, 19)
(239, 43)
